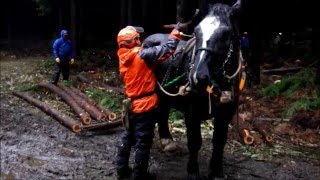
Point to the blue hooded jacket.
(62, 48)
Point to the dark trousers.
(140, 135)
(58, 69)
(163, 124)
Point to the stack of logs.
(85, 108)
(244, 126)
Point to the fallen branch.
(51, 111)
(103, 86)
(91, 109)
(111, 115)
(116, 89)
(271, 119)
(84, 116)
(282, 70)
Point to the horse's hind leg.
(222, 119)
(194, 145)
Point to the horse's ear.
(236, 8)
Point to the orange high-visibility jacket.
(136, 68)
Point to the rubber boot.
(124, 173)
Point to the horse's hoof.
(194, 176)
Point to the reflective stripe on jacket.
(136, 68)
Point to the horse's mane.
(222, 11)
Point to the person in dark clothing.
(245, 46)
(63, 54)
(136, 65)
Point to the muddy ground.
(35, 146)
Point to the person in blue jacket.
(63, 54)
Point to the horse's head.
(215, 43)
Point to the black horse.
(202, 81)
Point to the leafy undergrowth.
(291, 105)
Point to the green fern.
(105, 99)
(175, 115)
(27, 87)
(290, 84)
(303, 105)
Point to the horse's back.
(160, 38)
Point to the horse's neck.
(183, 57)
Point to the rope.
(239, 67)
(180, 92)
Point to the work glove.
(175, 33)
(72, 61)
(58, 60)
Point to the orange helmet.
(127, 36)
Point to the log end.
(247, 138)
(102, 116)
(269, 138)
(112, 116)
(86, 120)
(76, 128)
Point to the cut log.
(103, 86)
(91, 109)
(264, 128)
(246, 136)
(84, 116)
(65, 120)
(243, 128)
(104, 125)
(111, 115)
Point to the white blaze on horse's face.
(208, 26)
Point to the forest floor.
(35, 146)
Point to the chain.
(227, 58)
(167, 75)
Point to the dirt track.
(35, 146)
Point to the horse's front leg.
(194, 145)
(223, 117)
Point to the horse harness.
(225, 96)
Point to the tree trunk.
(93, 111)
(69, 100)
(124, 13)
(130, 12)
(51, 111)
(111, 116)
(74, 27)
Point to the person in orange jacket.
(136, 65)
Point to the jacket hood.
(126, 56)
(64, 32)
